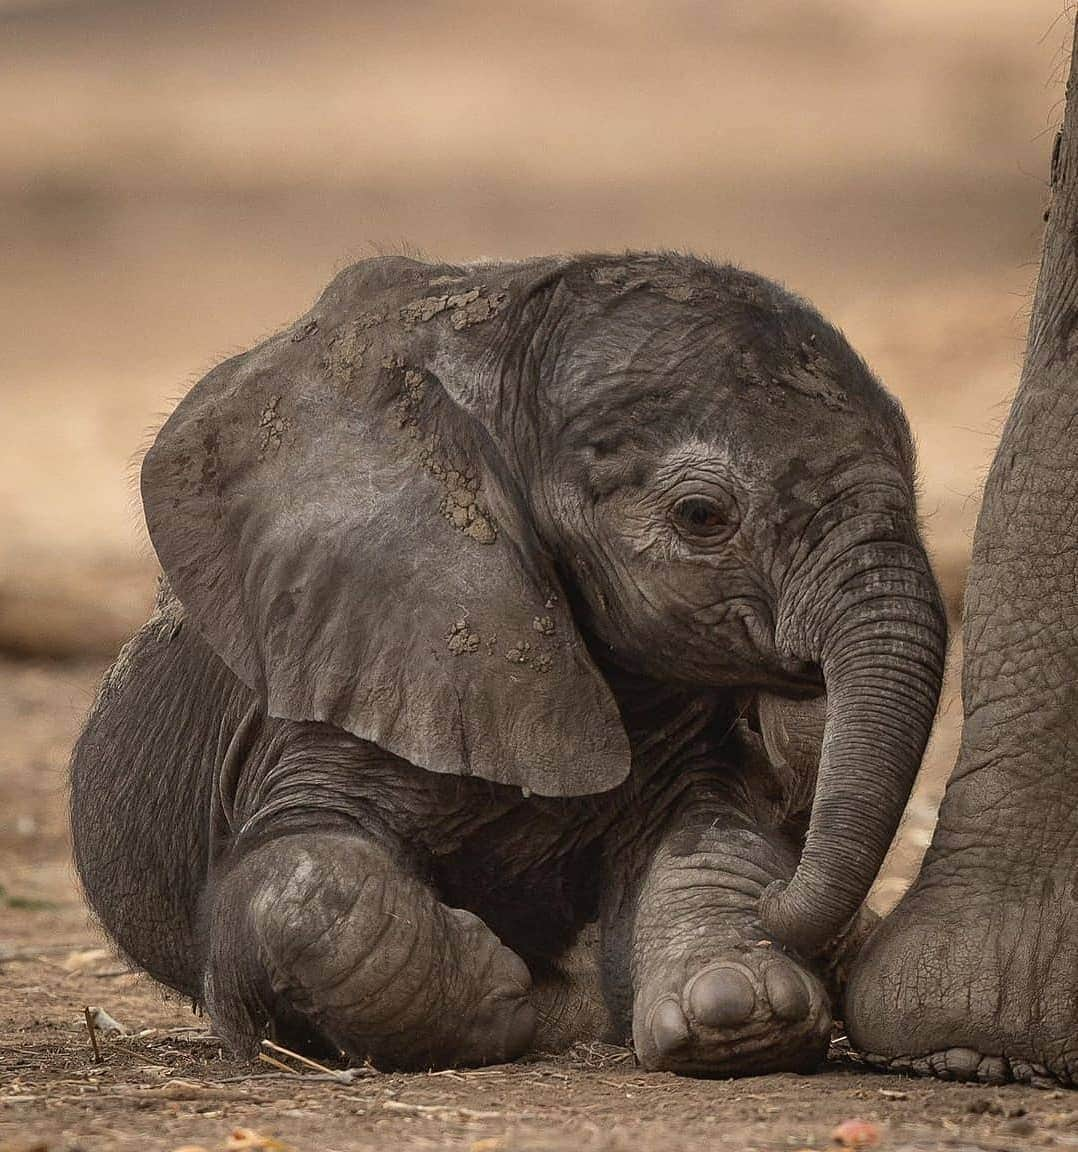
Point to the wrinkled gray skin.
(500, 600)
(975, 974)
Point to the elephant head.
(434, 509)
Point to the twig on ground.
(341, 1075)
(92, 1029)
(266, 1058)
(291, 1073)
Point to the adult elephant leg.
(688, 971)
(324, 936)
(975, 974)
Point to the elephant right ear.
(342, 526)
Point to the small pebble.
(856, 1133)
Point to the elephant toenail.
(993, 1070)
(669, 1028)
(786, 990)
(722, 998)
(961, 1063)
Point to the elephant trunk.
(881, 654)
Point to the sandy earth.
(179, 178)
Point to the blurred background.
(178, 178)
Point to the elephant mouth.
(771, 669)
(803, 676)
(795, 679)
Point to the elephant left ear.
(338, 517)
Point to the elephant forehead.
(665, 355)
(711, 405)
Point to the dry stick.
(266, 1058)
(296, 1056)
(342, 1077)
(92, 1029)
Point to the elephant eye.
(704, 517)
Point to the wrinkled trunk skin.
(975, 975)
(882, 653)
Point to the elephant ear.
(342, 526)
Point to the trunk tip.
(797, 922)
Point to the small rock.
(855, 1133)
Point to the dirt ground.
(167, 1084)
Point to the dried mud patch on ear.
(424, 309)
(531, 655)
(464, 308)
(519, 653)
(460, 505)
(411, 398)
(477, 310)
(271, 427)
(460, 639)
(350, 344)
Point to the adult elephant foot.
(974, 976)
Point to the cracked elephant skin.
(508, 609)
(974, 976)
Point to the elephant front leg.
(323, 938)
(686, 964)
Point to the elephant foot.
(322, 935)
(974, 976)
(966, 1065)
(746, 1011)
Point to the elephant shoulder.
(165, 690)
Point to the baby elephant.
(498, 601)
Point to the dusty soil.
(167, 1083)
